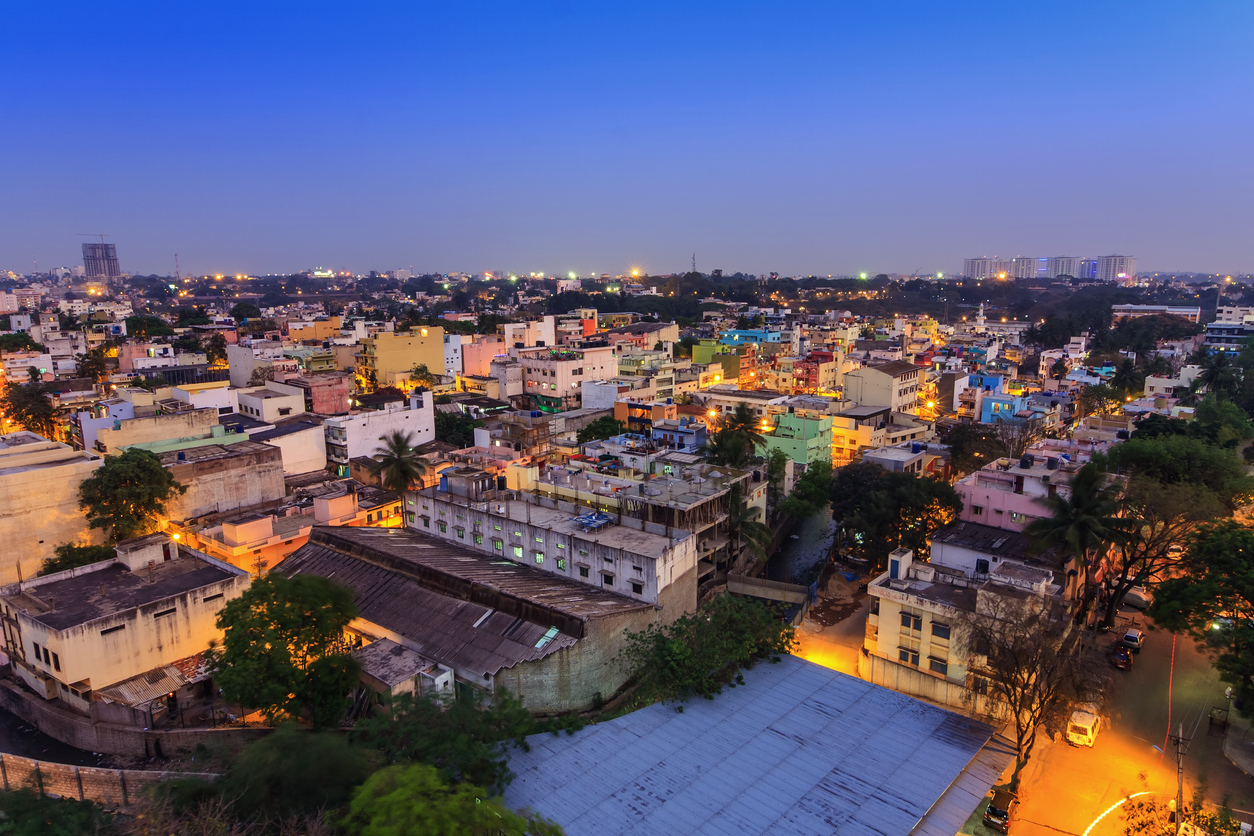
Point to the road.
(1066, 788)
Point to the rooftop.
(798, 749)
(285, 429)
(390, 663)
(210, 452)
(69, 602)
(898, 368)
(987, 540)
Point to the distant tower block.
(100, 261)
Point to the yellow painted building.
(387, 358)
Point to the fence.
(112, 787)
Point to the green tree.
(744, 526)
(1212, 598)
(1178, 459)
(127, 495)
(70, 556)
(273, 635)
(293, 771)
(742, 420)
(1059, 369)
(971, 446)
(877, 511)
(1098, 400)
(144, 327)
(604, 427)
(413, 800)
(1128, 379)
(215, 349)
(1084, 523)
(25, 812)
(728, 448)
(245, 310)
(811, 493)
(422, 376)
(28, 404)
(20, 342)
(455, 428)
(467, 738)
(1220, 374)
(700, 652)
(396, 463)
(92, 365)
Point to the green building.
(804, 440)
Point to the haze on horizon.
(801, 138)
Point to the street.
(1065, 788)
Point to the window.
(979, 685)
(561, 563)
(977, 509)
(461, 533)
(426, 522)
(411, 516)
(56, 661)
(518, 551)
(539, 556)
(561, 545)
(939, 666)
(1016, 517)
(209, 598)
(607, 579)
(940, 631)
(47, 660)
(583, 571)
(496, 528)
(170, 611)
(908, 656)
(38, 656)
(539, 539)
(443, 527)
(369, 517)
(910, 621)
(583, 553)
(639, 570)
(478, 539)
(637, 588)
(112, 629)
(497, 544)
(517, 533)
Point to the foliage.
(1028, 657)
(776, 467)
(20, 341)
(127, 495)
(150, 383)
(1015, 434)
(70, 556)
(455, 428)
(260, 375)
(92, 365)
(971, 446)
(422, 376)
(1128, 379)
(414, 800)
(215, 349)
(743, 525)
(1178, 459)
(878, 511)
(143, 327)
(604, 427)
(25, 812)
(275, 635)
(727, 447)
(810, 494)
(1151, 816)
(294, 771)
(466, 738)
(188, 317)
(1212, 598)
(245, 310)
(1159, 517)
(698, 653)
(396, 463)
(742, 421)
(1098, 400)
(28, 405)
(1220, 373)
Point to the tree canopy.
(877, 511)
(71, 556)
(28, 404)
(1182, 459)
(281, 652)
(244, 310)
(455, 428)
(127, 495)
(396, 463)
(604, 427)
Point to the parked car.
(1121, 657)
(1083, 726)
(1139, 597)
(1000, 811)
(1134, 640)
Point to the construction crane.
(101, 235)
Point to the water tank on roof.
(1027, 461)
(670, 401)
(182, 456)
(535, 413)
(1052, 463)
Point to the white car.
(1139, 597)
(1134, 640)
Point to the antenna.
(694, 262)
(177, 277)
(101, 235)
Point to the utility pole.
(694, 262)
(1180, 742)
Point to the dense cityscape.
(576, 419)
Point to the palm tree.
(743, 526)
(1085, 523)
(1128, 378)
(742, 420)
(1157, 366)
(396, 462)
(1219, 374)
(726, 447)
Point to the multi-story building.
(101, 261)
(1112, 268)
(806, 440)
(387, 358)
(894, 385)
(107, 639)
(453, 353)
(359, 434)
(553, 377)
(1192, 314)
(541, 332)
(328, 393)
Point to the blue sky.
(556, 136)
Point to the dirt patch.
(829, 612)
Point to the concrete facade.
(220, 477)
(387, 358)
(39, 482)
(350, 436)
(194, 424)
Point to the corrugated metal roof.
(145, 687)
(799, 749)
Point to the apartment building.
(359, 434)
(894, 385)
(387, 358)
(553, 377)
(805, 440)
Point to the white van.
(1083, 726)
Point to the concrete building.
(101, 638)
(894, 385)
(453, 353)
(303, 445)
(358, 434)
(1192, 314)
(540, 332)
(39, 482)
(153, 429)
(553, 376)
(328, 393)
(495, 623)
(221, 474)
(1008, 495)
(387, 358)
(272, 402)
(1113, 268)
(805, 440)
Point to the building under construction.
(100, 261)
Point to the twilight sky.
(825, 137)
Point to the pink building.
(477, 356)
(1008, 495)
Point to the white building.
(272, 402)
(349, 436)
(453, 353)
(1113, 268)
(541, 332)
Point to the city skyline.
(806, 140)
